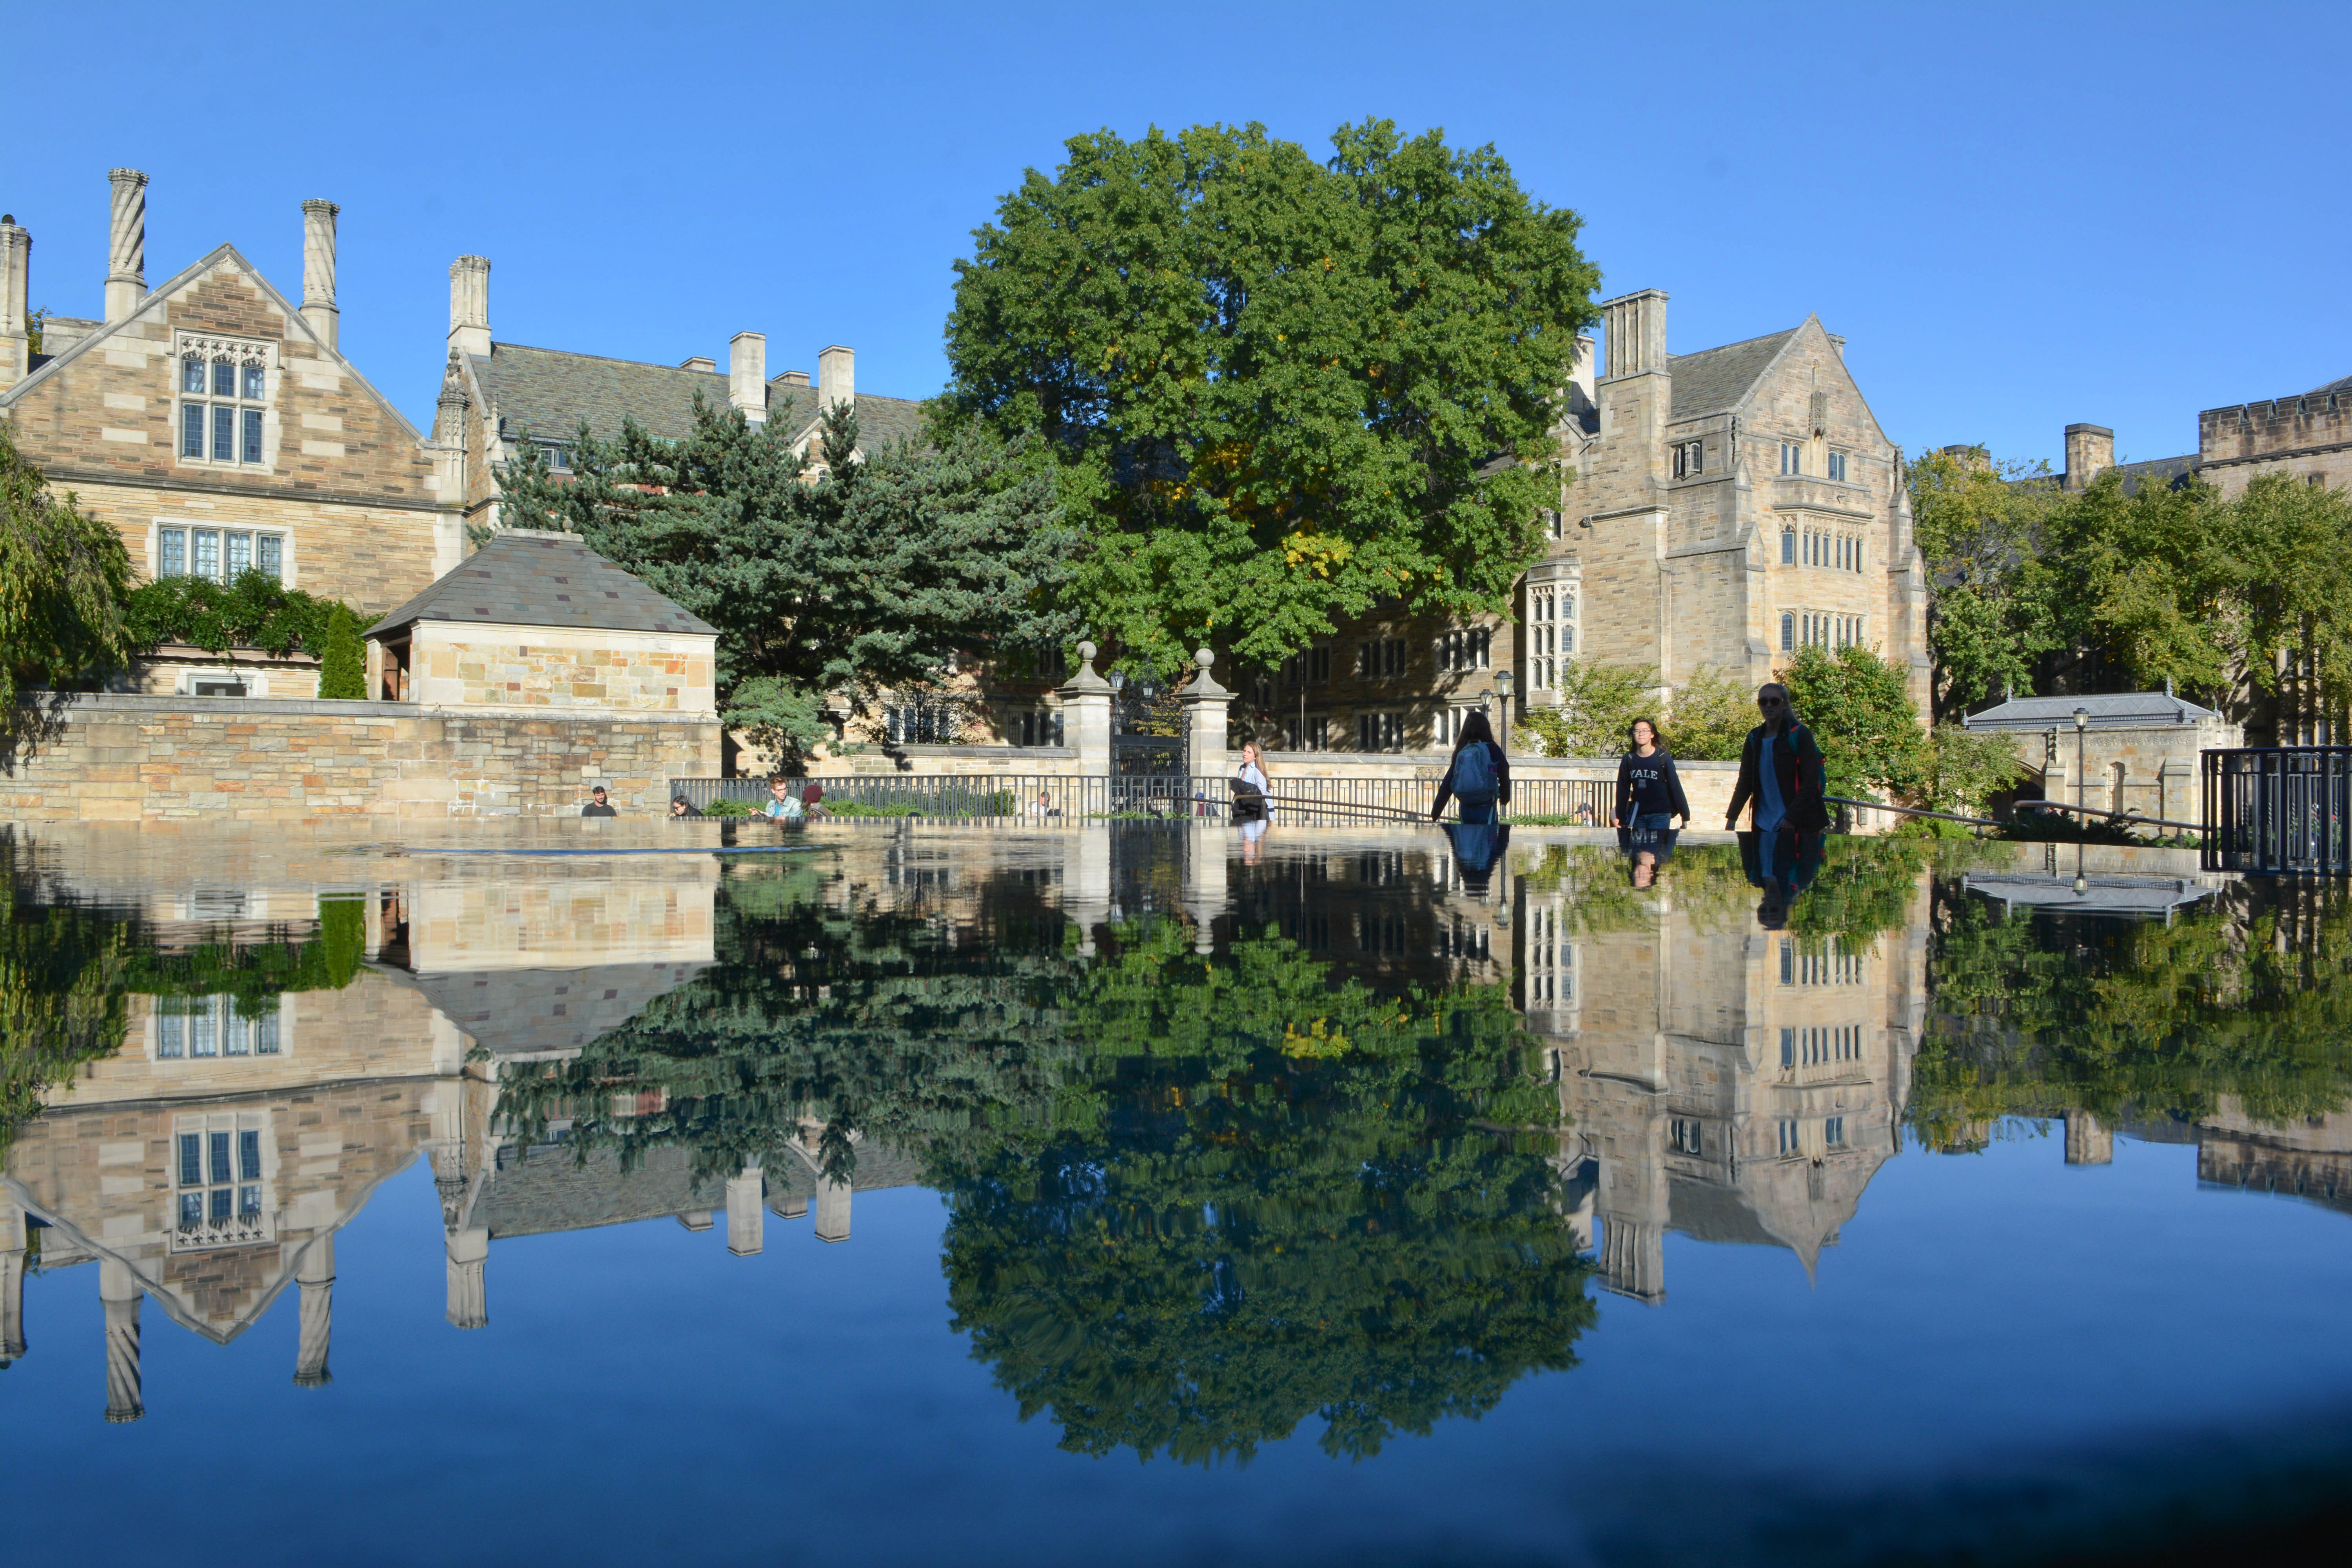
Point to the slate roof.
(1715, 379)
(530, 577)
(538, 1191)
(549, 393)
(2099, 896)
(2109, 710)
(2341, 385)
(547, 1013)
(2164, 471)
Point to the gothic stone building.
(1728, 508)
(216, 425)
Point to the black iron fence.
(1049, 797)
(2279, 809)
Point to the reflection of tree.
(1267, 1196)
(879, 1022)
(2036, 1015)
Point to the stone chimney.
(319, 268)
(1636, 393)
(119, 1294)
(2090, 450)
(469, 1255)
(11, 1279)
(470, 304)
(747, 374)
(746, 1221)
(832, 1209)
(126, 249)
(836, 377)
(316, 1275)
(793, 377)
(15, 310)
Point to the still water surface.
(1137, 1194)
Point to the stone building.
(2308, 435)
(2137, 752)
(537, 619)
(215, 425)
(497, 395)
(1729, 507)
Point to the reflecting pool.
(1140, 1192)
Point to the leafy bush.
(726, 806)
(255, 610)
(63, 579)
(1711, 717)
(1597, 703)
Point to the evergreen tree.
(342, 661)
(828, 581)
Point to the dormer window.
(224, 391)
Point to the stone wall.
(2150, 769)
(466, 665)
(123, 758)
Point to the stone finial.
(1205, 686)
(1086, 680)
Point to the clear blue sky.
(2019, 215)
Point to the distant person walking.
(1252, 784)
(1649, 790)
(1780, 770)
(1479, 777)
(597, 805)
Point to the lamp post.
(2081, 725)
(1503, 689)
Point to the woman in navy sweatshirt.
(1649, 790)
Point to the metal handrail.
(2110, 815)
(1911, 811)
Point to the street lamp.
(2082, 725)
(1503, 688)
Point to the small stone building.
(2138, 753)
(537, 619)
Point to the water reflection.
(1340, 1128)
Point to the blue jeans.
(1482, 813)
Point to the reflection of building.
(210, 1162)
(1733, 1084)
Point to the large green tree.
(63, 579)
(1277, 389)
(1982, 527)
(826, 582)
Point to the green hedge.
(255, 610)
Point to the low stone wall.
(126, 758)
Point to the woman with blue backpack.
(1479, 777)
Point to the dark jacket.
(593, 809)
(1659, 764)
(1797, 759)
(1502, 778)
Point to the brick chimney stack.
(126, 250)
(319, 268)
(15, 311)
(747, 374)
(2090, 450)
(469, 305)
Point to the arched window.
(1788, 632)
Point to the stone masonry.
(124, 758)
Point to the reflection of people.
(1649, 790)
(1251, 833)
(1784, 863)
(1780, 770)
(783, 806)
(1476, 846)
(1479, 777)
(598, 805)
(1645, 850)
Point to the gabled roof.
(2108, 710)
(2341, 385)
(550, 392)
(530, 577)
(296, 323)
(1713, 380)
